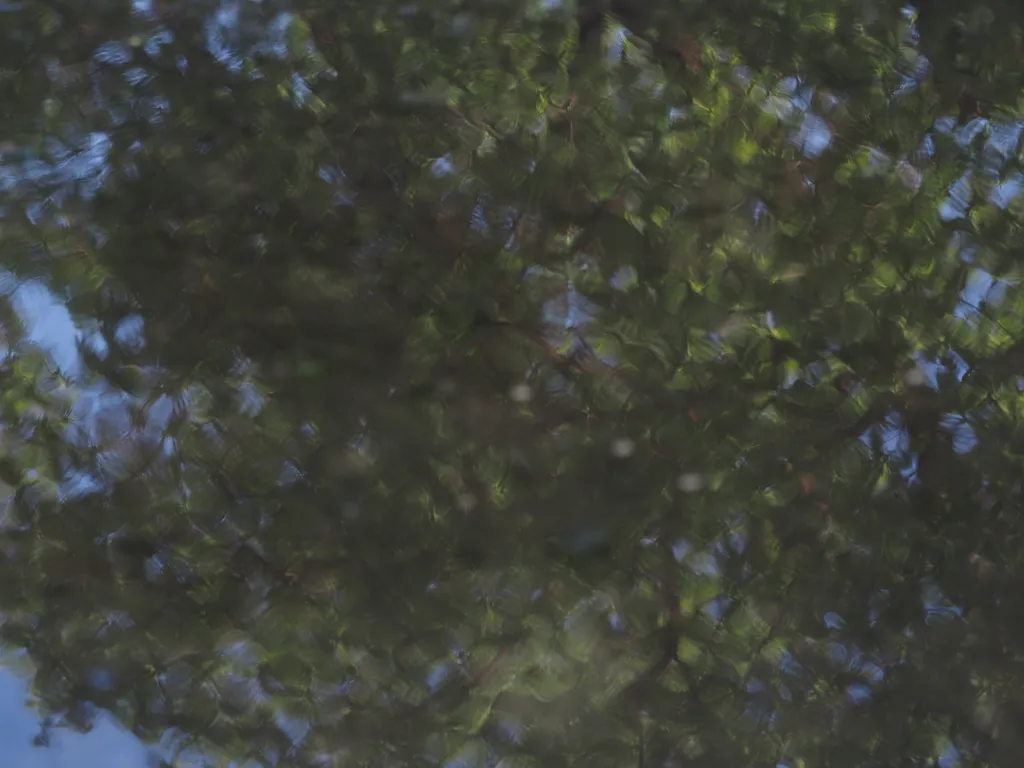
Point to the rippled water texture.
(511, 383)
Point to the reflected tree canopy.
(519, 382)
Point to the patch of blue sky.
(859, 693)
(1004, 192)
(156, 41)
(907, 84)
(443, 166)
(964, 437)
(219, 28)
(814, 135)
(833, 620)
(931, 370)
(937, 604)
(112, 52)
(49, 325)
(1004, 138)
(106, 746)
(715, 609)
(977, 290)
(681, 549)
(894, 439)
(798, 94)
(950, 757)
(956, 204)
(964, 135)
(927, 148)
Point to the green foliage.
(520, 383)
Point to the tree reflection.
(517, 383)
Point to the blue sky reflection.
(106, 746)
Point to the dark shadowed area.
(519, 383)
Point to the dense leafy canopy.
(606, 384)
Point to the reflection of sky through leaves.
(106, 747)
(448, 389)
